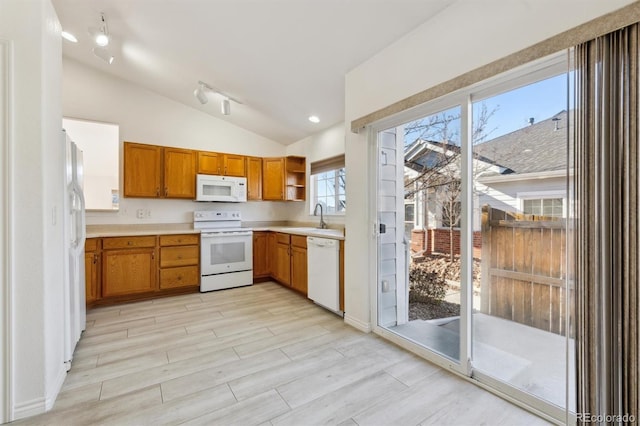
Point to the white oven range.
(226, 250)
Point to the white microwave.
(227, 189)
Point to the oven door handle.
(226, 234)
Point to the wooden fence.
(524, 269)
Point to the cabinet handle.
(157, 192)
(225, 170)
(218, 170)
(179, 277)
(166, 191)
(153, 255)
(95, 259)
(129, 243)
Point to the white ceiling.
(284, 59)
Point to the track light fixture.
(103, 53)
(225, 106)
(201, 94)
(102, 35)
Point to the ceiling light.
(225, 106)
(102, 35)
(314, 119)
(201, 94)
(103, 54)
(69, 37)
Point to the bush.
(425, 285)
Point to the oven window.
(216, 189)
(224, 253)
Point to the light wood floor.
(258, 355)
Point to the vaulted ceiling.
(284, 59)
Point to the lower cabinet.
(129, 268)
(261, 267)
(179, 261)
(283, 257)
(299, 263)
(128, 265)
(92, 270)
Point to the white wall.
(325, 144)
(146, 117)
(459, 39)
(35, 185)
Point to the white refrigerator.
(75, 234)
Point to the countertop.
(100, 231)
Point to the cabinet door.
(179, 173)
(142, 167)
(127, 272)
(254, 178)
(234, 165)
(209, 163)
(273, 178)
(272, 245)
(260, 262)
(299, 269)
(283, 264)
(92, 274)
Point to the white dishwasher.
(323, 257)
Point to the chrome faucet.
(323, 224)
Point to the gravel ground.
(432, 310)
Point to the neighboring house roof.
(539, 147)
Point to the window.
(551, 207)
(328, 185)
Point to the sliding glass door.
(472, 214)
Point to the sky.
(513, 109)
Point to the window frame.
(313, 198)
(543, 195)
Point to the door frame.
(6, 235)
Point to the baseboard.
(56, 388)
(365, 327)
(29, 408)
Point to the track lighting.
(201, 94)
(102, 34)
(103, 53)
(225, 106)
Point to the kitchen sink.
(314, 231)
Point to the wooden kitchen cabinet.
(92, 270)
(272, 245)
(295, 178)
(282, 271)
(299, 263)
(254, 178)
(179, 173)
(179, 261)
(284, 178)
(217, 163)
(128, 266)
(159, 172)
(273, 178)
(142, 170)
(209, 163)
(260, 261)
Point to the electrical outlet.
(147, 214)
(140, 213)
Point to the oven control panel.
(216, 215)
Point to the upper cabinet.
(295, 178)
(254, 178)
(273, 178)
(157, 172)
(215, 163)
(152, 171)
(142, 170)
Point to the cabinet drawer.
(128, 242)
(179, 277)
(179, 256)
(179, 240)
(91, 244)
(299, 241)
(283, 238)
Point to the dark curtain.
(606, 238)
